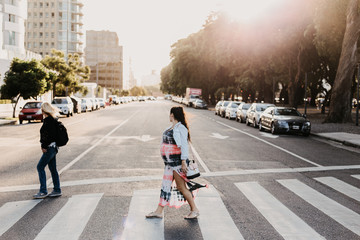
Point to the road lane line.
(341, 186)
(285, 222)
(346, 217)
(137, 227)
(71, 220)
(271, 144)
(215, 221)
(12, 212)
(198, 158)
(159, 177)
(94, 146)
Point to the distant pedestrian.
(175, 152)
(48, 134)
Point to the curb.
(344, 142)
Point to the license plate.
(296, 127)
(29, 117)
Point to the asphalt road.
(261, 186)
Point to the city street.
(261, 186)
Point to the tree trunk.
(295, 84)
(340, 108)
(17, 100)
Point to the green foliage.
(124, 93)
(24, 79)
(67, 76)
(138, 91)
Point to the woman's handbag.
(192, 170)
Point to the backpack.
(62, 137)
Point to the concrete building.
(55, 24)
(105, 58)
(12, 31)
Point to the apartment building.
(105, 58)
(55, 24)
(12, 31)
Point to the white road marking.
(356, 176)
(341, 214)
(12, 212)
(268, 135)
(341, 186)
(143, 138)
(206, 174)
(136, 225)
(198, 158)
(215, 221)
(94, 146)
(271, 144)
(71, 220)
(219, 136)
(286, 223)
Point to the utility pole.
(305, 93)
(357, 98)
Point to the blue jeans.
(48, 158)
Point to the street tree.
(24, 79)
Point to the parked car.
(241, 112)
(199, 103)
(141, 98)
(31, 111)
(101, 102)
(230, 111)
(97, 103)
(223, 108)
(284, 119)
(77, 104)
(65, 105)
(86, 105)
(217, 107)
(254, 112)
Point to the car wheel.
(260, 127)
(20, 121)
(254, 123)
(273, 129)
(68, 115)
(42, 120)
(71, 114)
(247, 122)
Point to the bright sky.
(147, 28)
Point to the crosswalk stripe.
(12, 212)
(71, 220)
(341, 186)
(341, 214)
(356, 176)
(137, 226)
(215, 219)
(286, 223)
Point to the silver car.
(217, 107)
(223, 108)
(230, 111)
(254, 112)
(241, 112)
(65, 105)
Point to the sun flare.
(247, 10)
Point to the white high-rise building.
(55, 24)
(12, 31)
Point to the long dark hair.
(180, 116)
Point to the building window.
(40, 44)
(35, 25)
(46, 25)
(46, 35)
(47, 4)
(52, 4)
(40, 34)
(35, 34)
(29, 34)
(52, 35)
(52, 15)
(12, 18)
(35, 45)
(41, 24)
(52, 44)
(52, 24)
(35, 14)
(41, 4)
(35, 5)
(29, 45)
(47, 14)
(46, 44)
(11, 38)
(41, 14)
